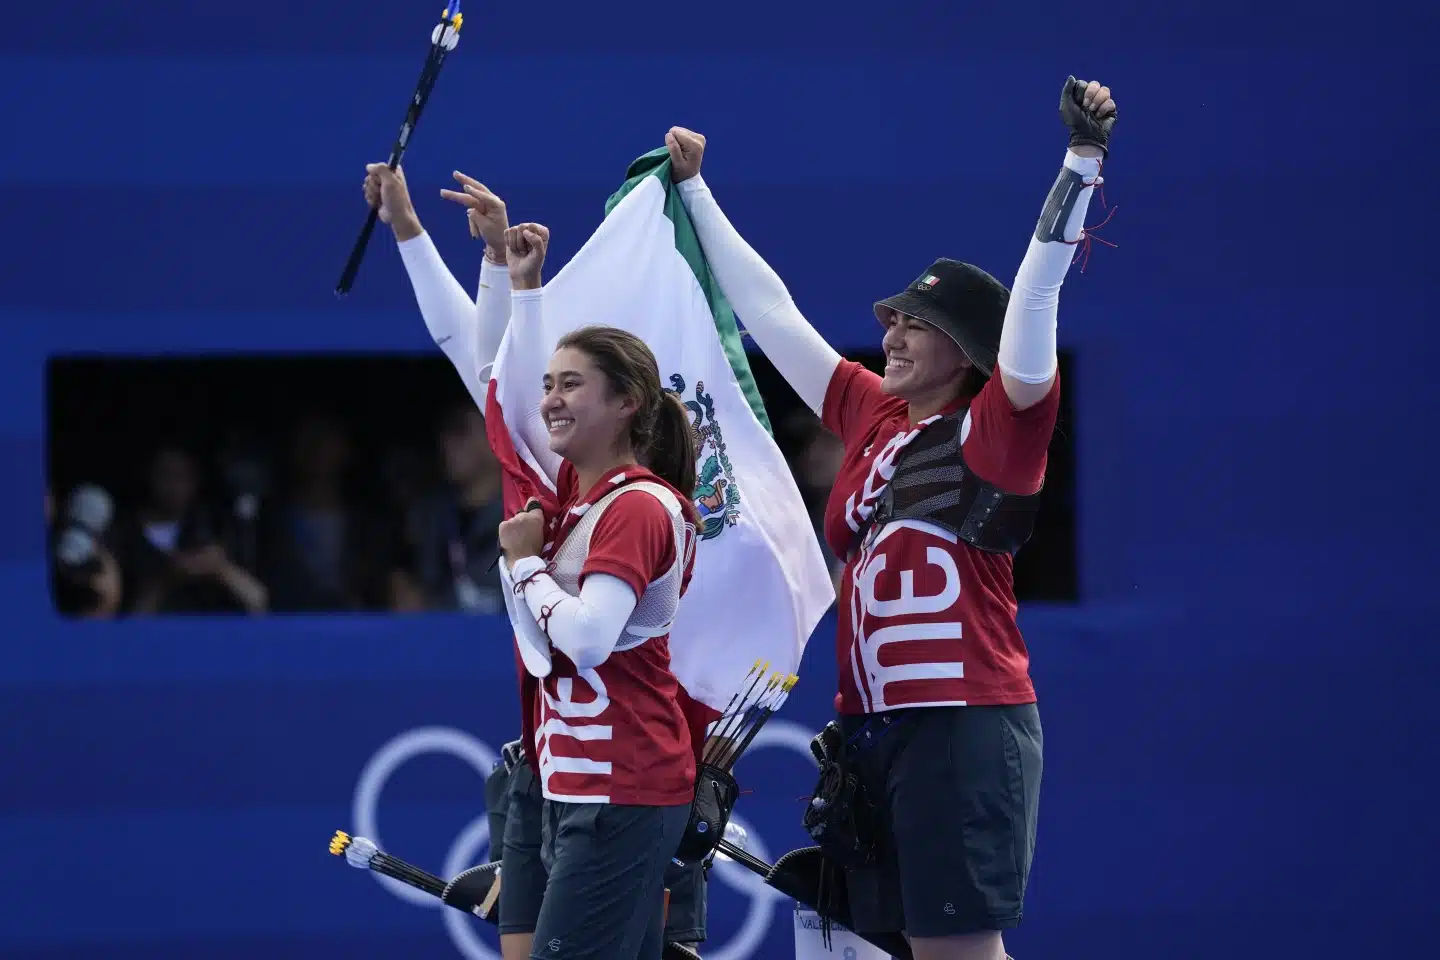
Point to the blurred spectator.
(170, 553)
(85, 579)
(244, 474)
(454, 529)
(320, 551)
(326, 525)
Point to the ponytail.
(671, 452)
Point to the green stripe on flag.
(656, 164)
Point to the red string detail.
(521, 585)
(1087, 239)
(543, 621)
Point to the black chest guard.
(932, 483)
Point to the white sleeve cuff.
(417, 246)
(695, 183)
(494, 276)
(527, 567)
(1087, 167)
(533, 645)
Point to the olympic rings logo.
(465, 851)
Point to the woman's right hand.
(484, 211)
(386, 189)
(687, 150)
(525, 246)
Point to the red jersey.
(925, 619)
(617, 733)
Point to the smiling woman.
(603, 397)
(938, 488)
(593, 590)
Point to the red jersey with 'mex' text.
(925, 619)
(618, 732)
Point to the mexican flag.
(760, 583)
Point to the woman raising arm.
(594, 590)
(935, 495)
(469, 332)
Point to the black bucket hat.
(963, 301)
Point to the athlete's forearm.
(492, 316)
(528, 632)
(586, 628)
(1027, 341)
(448, 310)
(760, 299)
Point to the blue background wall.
(1240, 737)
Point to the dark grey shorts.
(522, 888)
(958, 789)
(605, 892)
(517, 816)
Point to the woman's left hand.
(523, 535)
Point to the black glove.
(1085, 127)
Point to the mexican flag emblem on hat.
(928, 281)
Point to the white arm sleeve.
(760, 299)
(585, 628)
(534, 645)
(527, 306)
(448, 310)
(1027, 341)
(492, 315)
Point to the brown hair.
(660, 431)
(972, 380)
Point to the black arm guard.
(1059, 206)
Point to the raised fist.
(525, 246)
(1089, 112)
(484, 211)
(687, 149)
(523, 535)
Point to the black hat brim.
(911, 304)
